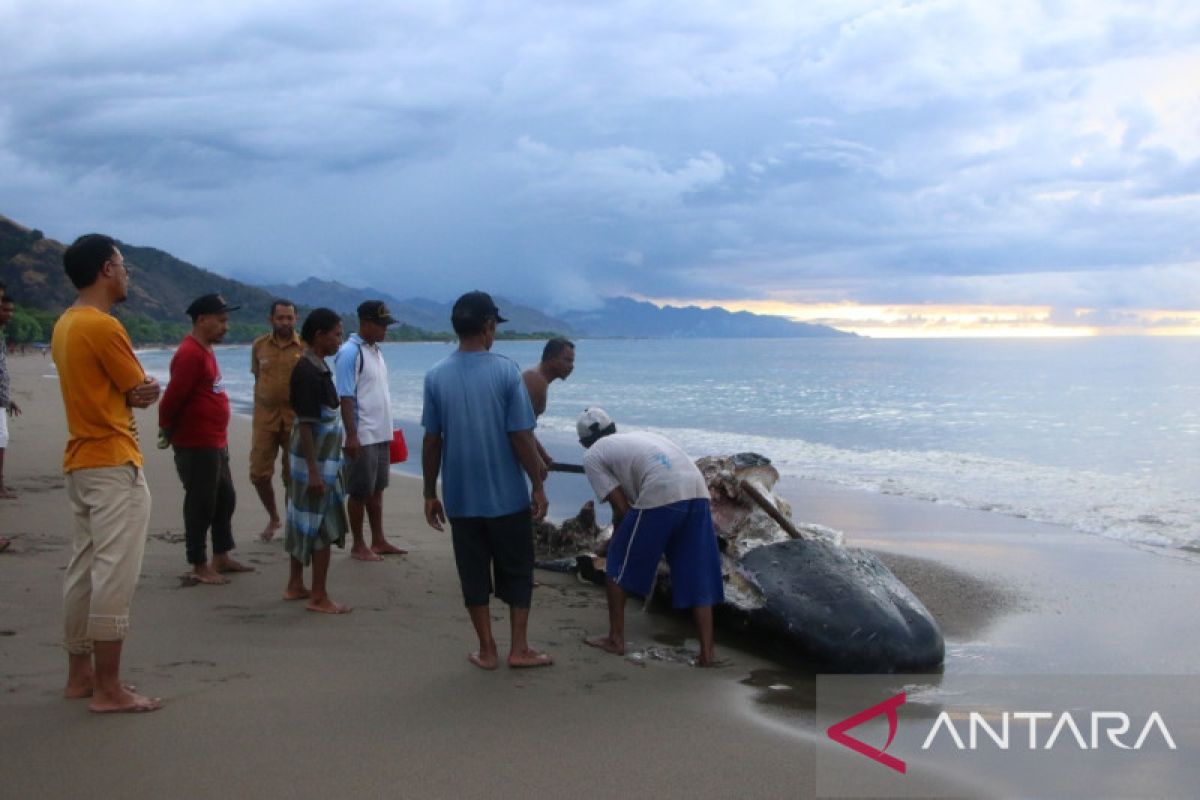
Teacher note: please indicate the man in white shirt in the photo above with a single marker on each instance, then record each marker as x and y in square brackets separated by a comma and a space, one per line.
[361, 378]
[660, 505]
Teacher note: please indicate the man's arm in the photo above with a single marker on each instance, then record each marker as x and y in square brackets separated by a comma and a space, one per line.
[620, 505]
[185, 372]
[352, 446]
[431, 465]
[525, 446]
[308, 449]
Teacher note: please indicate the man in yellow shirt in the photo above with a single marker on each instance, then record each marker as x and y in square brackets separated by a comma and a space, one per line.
[272, 357]
[101, 382]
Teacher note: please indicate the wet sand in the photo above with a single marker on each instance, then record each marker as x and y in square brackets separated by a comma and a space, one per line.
[264, 698]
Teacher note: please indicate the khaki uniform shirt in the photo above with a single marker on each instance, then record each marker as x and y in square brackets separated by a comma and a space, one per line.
[272, 365]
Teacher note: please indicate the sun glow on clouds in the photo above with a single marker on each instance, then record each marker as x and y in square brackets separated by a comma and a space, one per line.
[968, 321]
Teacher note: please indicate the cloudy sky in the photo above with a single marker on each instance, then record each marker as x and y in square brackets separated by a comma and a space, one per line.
[915, 166]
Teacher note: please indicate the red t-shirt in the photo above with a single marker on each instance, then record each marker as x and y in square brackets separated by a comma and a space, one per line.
[195, 408]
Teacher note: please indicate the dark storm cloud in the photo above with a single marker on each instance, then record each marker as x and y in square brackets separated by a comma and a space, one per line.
[878, 152]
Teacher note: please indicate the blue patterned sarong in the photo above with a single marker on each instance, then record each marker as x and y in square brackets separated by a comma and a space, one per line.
[316, 521]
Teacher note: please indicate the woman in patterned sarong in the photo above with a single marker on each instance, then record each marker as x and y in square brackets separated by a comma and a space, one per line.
[316, 511]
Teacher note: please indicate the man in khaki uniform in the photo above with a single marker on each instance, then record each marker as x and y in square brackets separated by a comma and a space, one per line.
[272, 357]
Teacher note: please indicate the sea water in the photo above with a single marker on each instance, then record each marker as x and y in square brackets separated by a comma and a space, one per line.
[1100, 434]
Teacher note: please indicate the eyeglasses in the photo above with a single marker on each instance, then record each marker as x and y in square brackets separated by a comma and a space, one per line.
[121, 264]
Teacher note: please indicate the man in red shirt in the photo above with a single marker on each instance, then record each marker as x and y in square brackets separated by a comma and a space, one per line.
[194, 414]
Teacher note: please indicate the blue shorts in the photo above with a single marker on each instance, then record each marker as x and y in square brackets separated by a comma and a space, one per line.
[684, 532]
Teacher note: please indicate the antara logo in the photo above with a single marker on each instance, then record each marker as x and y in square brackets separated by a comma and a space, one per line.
[837, 732]
[1115, 725]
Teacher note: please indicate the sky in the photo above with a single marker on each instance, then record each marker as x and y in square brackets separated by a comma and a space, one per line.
[893, 168]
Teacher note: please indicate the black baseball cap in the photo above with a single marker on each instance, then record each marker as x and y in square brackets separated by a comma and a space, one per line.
[209, 304]
[476, 307]
[375, 311]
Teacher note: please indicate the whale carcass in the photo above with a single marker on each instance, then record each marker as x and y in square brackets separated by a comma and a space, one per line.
[836, 608]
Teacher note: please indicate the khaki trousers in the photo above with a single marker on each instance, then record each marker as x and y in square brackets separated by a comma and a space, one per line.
[111, 507]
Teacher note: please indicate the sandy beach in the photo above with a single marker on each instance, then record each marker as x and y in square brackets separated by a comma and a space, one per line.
[265, 699]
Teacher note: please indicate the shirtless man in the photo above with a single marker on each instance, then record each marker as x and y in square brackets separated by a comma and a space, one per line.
[558, 361]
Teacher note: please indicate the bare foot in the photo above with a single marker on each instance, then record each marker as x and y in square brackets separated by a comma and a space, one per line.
[124, 702]
[4, 543]
[529, 658]
[607, 644]
[295, 594]
[268, 533]
[80, 692]
[7, 494]
[710, 661]
[224, 563]
[488, 661]
[388, 549]
[364, 553]
[327, 606]
[204, 573]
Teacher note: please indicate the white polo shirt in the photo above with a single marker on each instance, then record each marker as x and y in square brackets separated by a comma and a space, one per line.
[366, 380]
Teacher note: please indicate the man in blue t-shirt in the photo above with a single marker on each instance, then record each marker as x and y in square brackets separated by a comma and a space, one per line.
[479, 435]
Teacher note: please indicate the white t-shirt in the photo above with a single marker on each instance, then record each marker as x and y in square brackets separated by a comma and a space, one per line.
[650, 469]
[368, 386]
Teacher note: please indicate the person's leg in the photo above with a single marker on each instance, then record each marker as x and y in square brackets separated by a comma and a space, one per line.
[510, 539]
[119, 504]
[296, 589]
[695, 560]
[222, 524]
[632, 564]
[614, 642]
[263, 445]
[704, 625]
[472, 558]
[77, 596]
[379, 543]
[5, 492]
[356, 507]
[319, 599]
[199, 469]
[380, 468]
[487, 656]
[111, 696]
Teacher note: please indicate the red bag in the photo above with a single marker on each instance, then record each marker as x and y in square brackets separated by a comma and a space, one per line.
[399, 449]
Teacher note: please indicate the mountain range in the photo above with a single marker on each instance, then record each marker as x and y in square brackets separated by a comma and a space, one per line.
[163, 286]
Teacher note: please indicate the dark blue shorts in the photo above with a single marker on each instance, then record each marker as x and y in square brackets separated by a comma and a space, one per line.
[682, 531]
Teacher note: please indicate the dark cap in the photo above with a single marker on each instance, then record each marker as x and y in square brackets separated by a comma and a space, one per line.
[209, 304]
[375, 311]
[476, 307]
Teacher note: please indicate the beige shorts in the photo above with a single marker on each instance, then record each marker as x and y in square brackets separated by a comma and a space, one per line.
[265, 446]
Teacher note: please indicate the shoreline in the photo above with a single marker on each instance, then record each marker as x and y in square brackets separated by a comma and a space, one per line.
[256, 683]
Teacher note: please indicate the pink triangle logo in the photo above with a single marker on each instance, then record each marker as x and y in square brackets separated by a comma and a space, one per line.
[837, 732]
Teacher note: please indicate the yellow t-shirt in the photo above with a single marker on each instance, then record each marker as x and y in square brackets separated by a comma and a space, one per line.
[96, 368]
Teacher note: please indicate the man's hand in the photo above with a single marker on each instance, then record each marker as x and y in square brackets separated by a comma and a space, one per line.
[145, 394]
[14, 410]
[352, 448]
[539, 505]
[435, 515]
[316, 484]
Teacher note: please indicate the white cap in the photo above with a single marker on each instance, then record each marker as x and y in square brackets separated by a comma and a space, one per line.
[592, 424]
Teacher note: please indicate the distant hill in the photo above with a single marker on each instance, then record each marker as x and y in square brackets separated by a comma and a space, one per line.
[419, 312]
[624, 317]
[162, 286]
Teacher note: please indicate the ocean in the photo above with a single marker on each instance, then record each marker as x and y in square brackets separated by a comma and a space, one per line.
[1101, 435]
